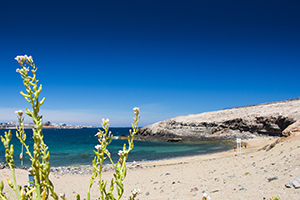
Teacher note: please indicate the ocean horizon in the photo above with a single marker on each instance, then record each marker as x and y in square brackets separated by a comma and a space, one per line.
[74, 147]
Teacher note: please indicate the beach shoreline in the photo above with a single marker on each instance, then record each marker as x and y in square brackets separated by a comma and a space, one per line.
[223, 175]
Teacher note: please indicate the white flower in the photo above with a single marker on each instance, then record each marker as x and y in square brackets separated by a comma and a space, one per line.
[62, 195]
[121, 152]
[98, 134]
[20, 59]
[25, 69]
[136, 110]
[28, 58]
[19, 112]
[105, 122]
[98, 147]
[135, 191]
[22, 71]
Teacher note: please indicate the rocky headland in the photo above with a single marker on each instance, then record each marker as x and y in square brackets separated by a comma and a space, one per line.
[269, 119]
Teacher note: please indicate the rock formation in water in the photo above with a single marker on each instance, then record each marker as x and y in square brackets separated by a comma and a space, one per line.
[245, 122]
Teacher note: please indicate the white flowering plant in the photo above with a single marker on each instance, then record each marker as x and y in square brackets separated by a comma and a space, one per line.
[42, 188]
[101, 153]
[40, 156]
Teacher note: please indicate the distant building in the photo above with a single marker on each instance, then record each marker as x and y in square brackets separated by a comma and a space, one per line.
[48, 123]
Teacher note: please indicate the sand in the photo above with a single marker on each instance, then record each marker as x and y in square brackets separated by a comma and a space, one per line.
[251, 175]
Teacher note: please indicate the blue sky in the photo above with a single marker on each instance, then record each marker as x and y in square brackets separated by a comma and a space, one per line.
[99, 59]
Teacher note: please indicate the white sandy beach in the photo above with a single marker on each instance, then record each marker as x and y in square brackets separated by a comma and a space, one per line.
[252, 175]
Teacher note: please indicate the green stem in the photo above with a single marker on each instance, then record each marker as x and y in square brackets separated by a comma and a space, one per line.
[100, 173]
[15, 183]
[3, 197]
[112, 162]
[38, 191]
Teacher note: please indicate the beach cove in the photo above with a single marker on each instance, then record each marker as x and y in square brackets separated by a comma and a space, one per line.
[255, 174]
[74, 147]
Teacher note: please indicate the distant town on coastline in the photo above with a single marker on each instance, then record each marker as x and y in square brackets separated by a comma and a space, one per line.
[13, 125]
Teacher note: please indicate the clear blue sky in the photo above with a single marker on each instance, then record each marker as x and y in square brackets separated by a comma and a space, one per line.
[99, 59]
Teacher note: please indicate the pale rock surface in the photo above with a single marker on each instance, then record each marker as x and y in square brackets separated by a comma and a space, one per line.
[294, 183]
[246, 122]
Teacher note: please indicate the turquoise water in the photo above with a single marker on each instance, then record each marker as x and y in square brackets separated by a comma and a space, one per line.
[75, 147]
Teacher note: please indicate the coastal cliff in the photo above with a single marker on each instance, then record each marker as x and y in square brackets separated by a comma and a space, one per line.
[265, 119]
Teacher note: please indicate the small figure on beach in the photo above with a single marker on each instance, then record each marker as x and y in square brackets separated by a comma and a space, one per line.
[234, 147]
[134, 164]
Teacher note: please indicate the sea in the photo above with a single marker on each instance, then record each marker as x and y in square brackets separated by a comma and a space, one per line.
[74, 147]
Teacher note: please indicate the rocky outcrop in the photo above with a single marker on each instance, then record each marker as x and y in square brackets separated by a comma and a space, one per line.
[264, 119]
[295, 127]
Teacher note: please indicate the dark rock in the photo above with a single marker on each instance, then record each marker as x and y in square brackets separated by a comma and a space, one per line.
[123, 137]
[272, 178]
[174, 140]
[4, 165]
[241, 187]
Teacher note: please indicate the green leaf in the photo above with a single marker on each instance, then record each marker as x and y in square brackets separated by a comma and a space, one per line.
[42, 101]
[1, 186]
[28, 112]
[24, 95]
[119, 188]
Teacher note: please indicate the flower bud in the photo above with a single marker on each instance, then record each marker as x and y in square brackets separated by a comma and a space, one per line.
[44, 195]
[10, 184]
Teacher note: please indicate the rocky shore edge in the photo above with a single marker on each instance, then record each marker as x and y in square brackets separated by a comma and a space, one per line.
[80, 170]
